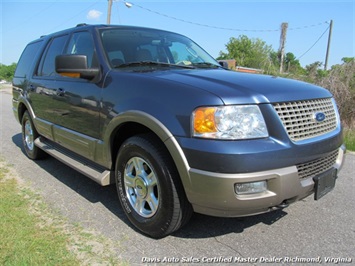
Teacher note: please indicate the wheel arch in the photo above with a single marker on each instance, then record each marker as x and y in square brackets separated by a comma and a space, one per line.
[22, 107]
[132, 123]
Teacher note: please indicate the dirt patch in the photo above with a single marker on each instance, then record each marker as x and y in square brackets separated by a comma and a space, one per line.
[6, 88]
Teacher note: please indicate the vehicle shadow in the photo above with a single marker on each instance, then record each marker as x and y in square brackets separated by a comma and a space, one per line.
[200, 226]
[79, 183]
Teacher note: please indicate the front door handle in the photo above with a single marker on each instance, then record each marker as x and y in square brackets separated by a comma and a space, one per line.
[32, 88]
[60, 92]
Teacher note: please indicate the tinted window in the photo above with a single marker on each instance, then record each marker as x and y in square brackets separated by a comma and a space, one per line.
[137, 45]
[82, 43]
[27, 58]
[47, 67]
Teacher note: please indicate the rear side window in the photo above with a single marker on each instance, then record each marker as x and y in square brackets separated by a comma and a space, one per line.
[47, 65]
[27, 59]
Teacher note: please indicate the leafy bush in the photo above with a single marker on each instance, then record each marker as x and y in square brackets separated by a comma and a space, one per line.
[349, 138]
[340, 80]
[7, 72]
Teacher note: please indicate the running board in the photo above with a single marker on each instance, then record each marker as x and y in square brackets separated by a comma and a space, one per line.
[80, 164]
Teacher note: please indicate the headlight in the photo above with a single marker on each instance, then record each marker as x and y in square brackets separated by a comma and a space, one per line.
[229, 122]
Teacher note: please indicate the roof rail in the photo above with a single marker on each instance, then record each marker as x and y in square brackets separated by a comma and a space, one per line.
[81, 24]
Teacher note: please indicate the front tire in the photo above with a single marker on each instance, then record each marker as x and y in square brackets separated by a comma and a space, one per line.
[29, 135]
[149, 187]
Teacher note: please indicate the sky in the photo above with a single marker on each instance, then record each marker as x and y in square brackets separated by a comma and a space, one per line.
[209, 23]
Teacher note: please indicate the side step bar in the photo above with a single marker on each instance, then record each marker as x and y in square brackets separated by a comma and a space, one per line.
[94, 172]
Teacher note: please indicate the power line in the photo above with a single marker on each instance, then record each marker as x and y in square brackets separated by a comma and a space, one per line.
[30, 17]
[73, 17]
[217, 27]
[309, 26]
[313, 44]
[232, 29]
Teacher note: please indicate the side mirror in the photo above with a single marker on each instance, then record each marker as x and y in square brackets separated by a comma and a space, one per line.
[75, 66]
[223, 64]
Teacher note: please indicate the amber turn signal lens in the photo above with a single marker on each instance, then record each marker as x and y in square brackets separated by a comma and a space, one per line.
[70, 75]
[204, 120]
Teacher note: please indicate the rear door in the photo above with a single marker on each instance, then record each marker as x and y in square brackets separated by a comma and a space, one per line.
[43, 89]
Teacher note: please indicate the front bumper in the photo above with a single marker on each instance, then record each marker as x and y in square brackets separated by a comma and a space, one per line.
[213, 193]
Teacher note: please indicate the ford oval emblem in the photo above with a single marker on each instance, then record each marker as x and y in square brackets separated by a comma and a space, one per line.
[319, 117]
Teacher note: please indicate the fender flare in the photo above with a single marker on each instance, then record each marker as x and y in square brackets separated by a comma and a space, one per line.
[160, 130]
[22, 100]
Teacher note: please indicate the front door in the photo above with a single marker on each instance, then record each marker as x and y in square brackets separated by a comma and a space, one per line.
[78, 102]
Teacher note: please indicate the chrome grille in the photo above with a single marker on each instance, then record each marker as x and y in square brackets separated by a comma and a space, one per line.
[299, 120]
[316, 167]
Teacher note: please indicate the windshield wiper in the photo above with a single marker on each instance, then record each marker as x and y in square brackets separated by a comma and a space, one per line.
[150, 63]
[206, 65]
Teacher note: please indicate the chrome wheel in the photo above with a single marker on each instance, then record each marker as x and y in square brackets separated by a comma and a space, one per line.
[28, 135]
[149, 188]
[142, 187]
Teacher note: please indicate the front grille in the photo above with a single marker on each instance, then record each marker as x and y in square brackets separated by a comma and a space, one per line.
[299, 120]
[316, 167]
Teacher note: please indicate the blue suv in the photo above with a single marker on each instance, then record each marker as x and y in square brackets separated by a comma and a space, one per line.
[154, 113]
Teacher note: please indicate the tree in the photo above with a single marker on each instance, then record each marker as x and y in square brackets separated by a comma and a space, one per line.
[293, 65]
[348, 59]
[314, 72]
[7, 72]
[247, 52]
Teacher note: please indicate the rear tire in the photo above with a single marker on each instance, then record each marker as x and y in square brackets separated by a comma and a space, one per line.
[29, 135]
[149, 187]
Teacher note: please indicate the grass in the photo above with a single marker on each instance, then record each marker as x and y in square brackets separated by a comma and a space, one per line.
[31, 234]
[23, 241]
[349, 136]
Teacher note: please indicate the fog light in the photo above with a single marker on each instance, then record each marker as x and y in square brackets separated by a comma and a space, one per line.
[250, 188]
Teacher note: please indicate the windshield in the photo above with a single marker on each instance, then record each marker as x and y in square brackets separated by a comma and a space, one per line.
[126, 47]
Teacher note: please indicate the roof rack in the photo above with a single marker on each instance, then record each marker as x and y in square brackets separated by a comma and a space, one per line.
[81, 24]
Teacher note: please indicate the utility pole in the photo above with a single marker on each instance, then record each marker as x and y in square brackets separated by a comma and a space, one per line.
[109, 11]
[328, 46]
[284, 27]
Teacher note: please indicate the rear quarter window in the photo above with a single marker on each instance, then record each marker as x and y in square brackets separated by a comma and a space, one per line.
[27, 59]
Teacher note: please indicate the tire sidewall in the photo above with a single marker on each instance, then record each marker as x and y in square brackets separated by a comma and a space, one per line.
[35, 153]
[161, 219]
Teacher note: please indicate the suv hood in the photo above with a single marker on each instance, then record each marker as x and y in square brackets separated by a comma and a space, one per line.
[241, 88]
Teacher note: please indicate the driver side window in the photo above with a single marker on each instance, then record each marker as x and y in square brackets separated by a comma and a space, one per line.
[82, 43]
